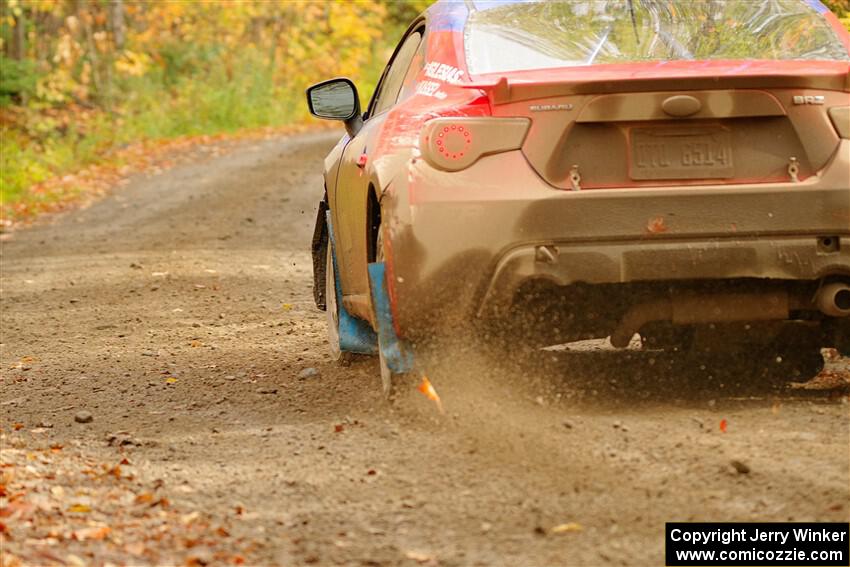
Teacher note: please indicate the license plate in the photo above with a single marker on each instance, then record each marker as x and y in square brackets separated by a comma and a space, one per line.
[679, 153]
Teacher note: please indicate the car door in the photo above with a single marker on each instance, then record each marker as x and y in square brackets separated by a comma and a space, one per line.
[349, 204]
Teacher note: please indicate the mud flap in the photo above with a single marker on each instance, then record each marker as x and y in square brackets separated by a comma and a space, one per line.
[355, 335]
[396, 352]
[318, 250]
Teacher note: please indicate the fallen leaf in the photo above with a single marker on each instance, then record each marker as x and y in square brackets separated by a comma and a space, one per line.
[80, 508]
[418, 556]
[426, 388]
[171, 380]
[144, 498]
[723, 425]
[94, 533]
[566, 528]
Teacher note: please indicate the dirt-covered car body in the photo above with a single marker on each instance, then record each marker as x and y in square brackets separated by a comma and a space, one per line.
[625, 164]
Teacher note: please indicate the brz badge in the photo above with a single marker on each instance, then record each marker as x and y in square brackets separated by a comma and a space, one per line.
[548, 107]
[808, 99]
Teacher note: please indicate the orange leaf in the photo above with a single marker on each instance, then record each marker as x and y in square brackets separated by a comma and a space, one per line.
[723, 425]
[426, 388]
[144, 498]
[97, 533]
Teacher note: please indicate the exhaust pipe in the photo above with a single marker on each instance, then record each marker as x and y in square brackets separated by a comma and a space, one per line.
[833, 299]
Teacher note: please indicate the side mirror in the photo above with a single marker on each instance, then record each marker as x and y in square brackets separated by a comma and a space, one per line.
[336, 99]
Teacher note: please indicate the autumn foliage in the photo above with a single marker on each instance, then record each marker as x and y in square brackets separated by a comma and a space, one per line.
[81, 78]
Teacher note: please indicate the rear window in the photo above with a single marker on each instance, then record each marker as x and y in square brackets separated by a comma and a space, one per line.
[508, 36]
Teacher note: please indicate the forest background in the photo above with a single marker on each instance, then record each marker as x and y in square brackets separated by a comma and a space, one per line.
[81, 81]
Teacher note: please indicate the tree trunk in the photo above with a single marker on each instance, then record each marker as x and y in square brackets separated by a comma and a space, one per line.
[19, 38]
[116, 23]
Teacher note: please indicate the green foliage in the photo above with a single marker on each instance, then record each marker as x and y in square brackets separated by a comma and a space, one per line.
[402, 12]
[840, 8]
[18, 80]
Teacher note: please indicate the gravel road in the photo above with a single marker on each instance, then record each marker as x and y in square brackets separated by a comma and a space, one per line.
[153, 349]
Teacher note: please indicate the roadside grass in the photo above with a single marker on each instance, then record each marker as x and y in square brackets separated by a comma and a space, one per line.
[39, 147]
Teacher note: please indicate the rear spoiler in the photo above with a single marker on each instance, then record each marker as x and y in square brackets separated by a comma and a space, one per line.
[685, 75]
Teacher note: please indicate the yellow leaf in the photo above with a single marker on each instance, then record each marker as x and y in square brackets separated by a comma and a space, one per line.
[80, 508]
[568, 527]
[170, 380]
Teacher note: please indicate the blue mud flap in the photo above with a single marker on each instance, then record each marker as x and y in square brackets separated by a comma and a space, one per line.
[397, 353]
[355, 335]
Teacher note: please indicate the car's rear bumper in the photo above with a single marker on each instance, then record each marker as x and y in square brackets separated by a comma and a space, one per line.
[462, 243]
[777, 257]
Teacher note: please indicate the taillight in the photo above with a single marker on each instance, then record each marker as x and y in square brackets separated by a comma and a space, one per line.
[840, 116]
[455, 143]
